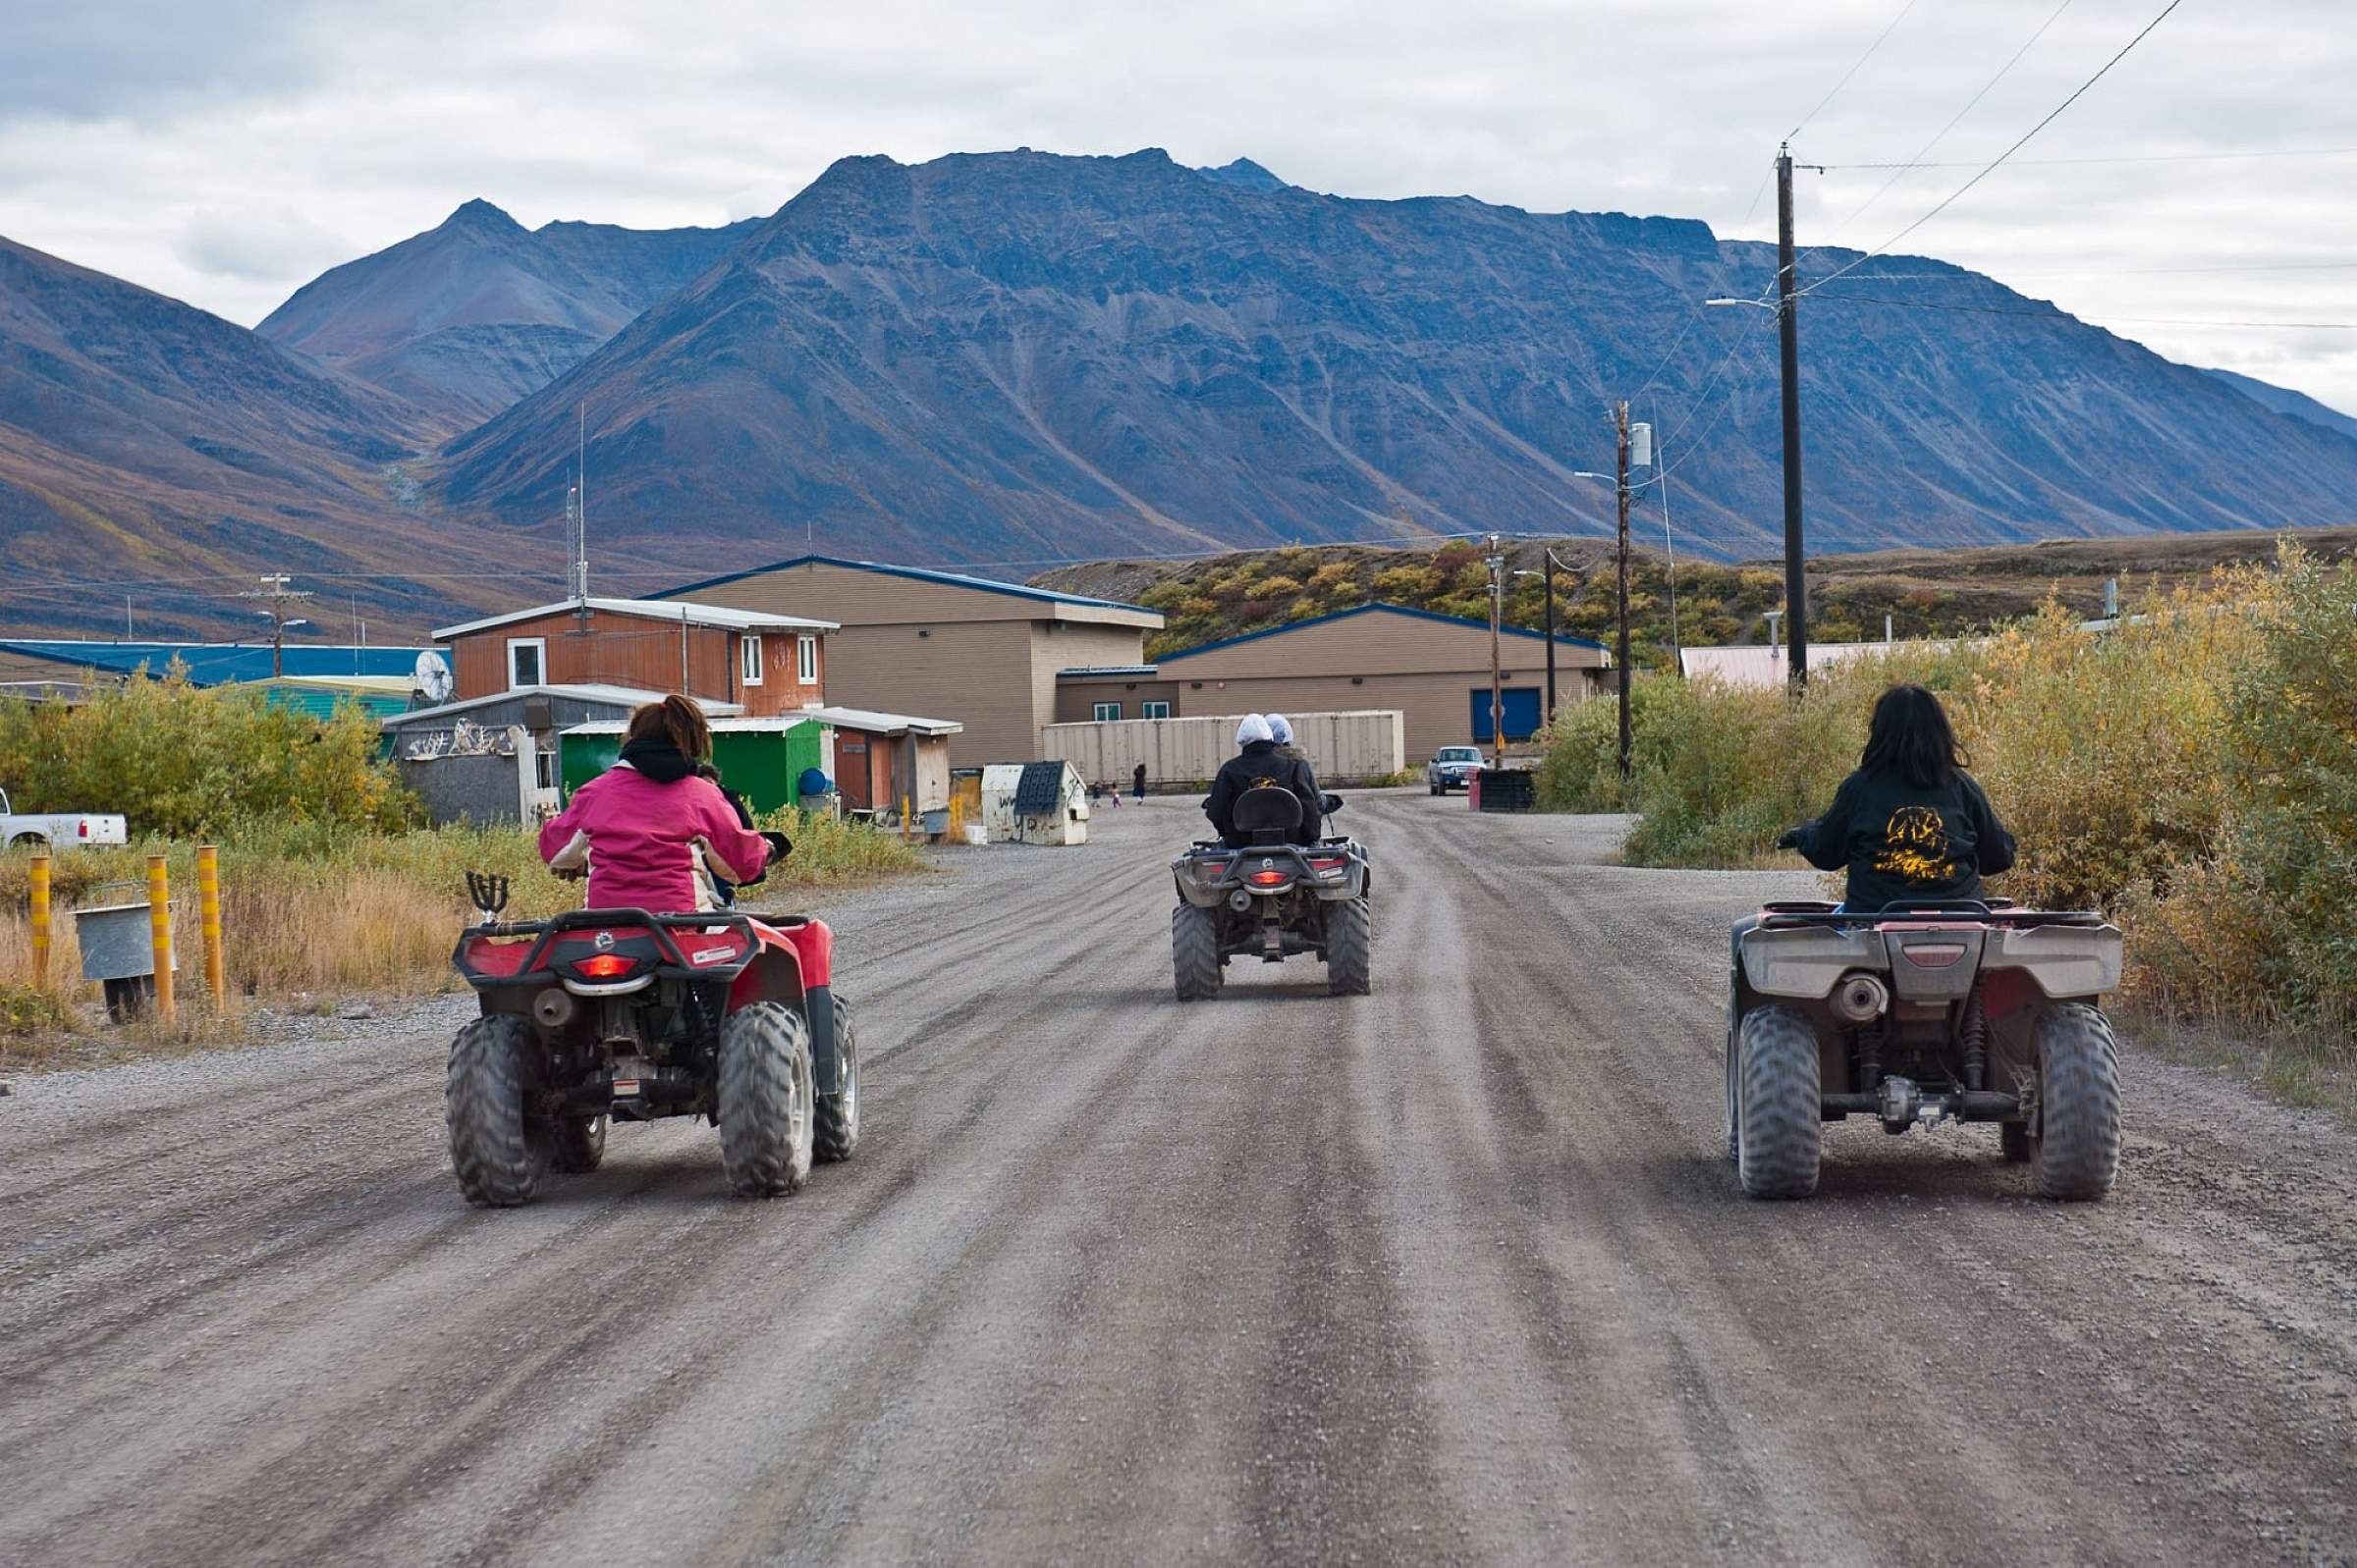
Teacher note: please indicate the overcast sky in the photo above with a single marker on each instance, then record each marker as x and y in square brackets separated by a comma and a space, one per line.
[225, 151]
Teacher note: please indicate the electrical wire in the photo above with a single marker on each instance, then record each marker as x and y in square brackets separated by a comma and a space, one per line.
[2059, 315]
[1853, 70]
[1993, 164]
[2155, 157]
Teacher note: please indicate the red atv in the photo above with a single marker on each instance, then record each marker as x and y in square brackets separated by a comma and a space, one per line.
[617, 1014]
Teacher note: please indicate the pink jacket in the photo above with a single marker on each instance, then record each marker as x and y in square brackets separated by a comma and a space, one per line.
[643, 840]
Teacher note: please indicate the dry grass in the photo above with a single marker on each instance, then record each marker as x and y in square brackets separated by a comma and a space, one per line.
[324, 913]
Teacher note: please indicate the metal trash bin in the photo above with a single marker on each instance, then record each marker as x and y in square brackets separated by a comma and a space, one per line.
[118, 951]
[1505, 789]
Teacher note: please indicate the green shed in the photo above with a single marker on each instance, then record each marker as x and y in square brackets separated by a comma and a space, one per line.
[759, 758]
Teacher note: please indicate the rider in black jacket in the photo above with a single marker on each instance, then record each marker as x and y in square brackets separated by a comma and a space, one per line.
[1910, 822]
[1259, 764]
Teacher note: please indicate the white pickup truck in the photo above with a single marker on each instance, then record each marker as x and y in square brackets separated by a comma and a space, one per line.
[57, 829]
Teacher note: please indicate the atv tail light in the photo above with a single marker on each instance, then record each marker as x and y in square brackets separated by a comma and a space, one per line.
[1266, 878]
[605, 966]
[1933, 955]
[1327, 865]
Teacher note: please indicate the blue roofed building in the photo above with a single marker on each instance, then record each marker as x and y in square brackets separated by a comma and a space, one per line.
[29, 663]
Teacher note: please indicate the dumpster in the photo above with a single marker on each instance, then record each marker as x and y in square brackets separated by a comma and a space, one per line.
[118, 951]
[763, 760]
[1504, 790]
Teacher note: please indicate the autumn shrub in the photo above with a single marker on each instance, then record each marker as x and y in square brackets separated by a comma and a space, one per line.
[174, 757]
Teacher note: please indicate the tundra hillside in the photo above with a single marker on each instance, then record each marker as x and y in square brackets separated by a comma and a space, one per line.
[1922, 593]
[2194, 771]
[331, 882]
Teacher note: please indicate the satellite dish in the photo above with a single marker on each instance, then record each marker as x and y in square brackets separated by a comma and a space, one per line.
[432, 678]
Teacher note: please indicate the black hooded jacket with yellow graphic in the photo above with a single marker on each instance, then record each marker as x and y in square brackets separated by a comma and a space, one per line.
[1257, 765]
[1898, 840]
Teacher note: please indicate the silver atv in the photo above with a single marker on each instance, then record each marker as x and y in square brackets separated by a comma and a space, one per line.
[1945, 1010]
[1271, 900]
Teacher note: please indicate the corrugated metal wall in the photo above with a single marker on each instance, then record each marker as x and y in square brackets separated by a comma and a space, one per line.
[1343, 747]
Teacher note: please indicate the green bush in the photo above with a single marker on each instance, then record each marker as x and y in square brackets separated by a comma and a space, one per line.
[177, 759]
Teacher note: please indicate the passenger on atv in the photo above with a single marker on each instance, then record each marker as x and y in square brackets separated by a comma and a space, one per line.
[1259, 764]
[1910, 823]
[652, 832]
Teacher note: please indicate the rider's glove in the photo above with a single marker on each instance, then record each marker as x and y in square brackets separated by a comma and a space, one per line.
[1790, 838]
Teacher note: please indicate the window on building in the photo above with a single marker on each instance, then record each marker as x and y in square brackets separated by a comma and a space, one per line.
[1154, 710]
[544, 769]
[1108, 710]
[527, 662]
[749, 658]
[805, 660]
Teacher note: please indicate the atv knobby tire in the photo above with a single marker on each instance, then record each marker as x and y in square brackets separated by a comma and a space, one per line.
[1778, 1143]
[838, 1131]
[577, 1145]
[1196, 953]
[2074, 1153]
[1349, 947]
[766, 1113]
[499, 1159]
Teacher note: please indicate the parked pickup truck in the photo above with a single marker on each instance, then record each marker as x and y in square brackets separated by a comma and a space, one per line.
[57, 829]
[1452, 768]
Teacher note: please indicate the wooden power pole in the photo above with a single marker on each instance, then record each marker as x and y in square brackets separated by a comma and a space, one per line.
[1621, 650]
[1497, 564]
[1796, 585]
[275, 596]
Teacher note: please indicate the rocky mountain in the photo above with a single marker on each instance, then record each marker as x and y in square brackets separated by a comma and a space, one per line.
[466, 318]
[2285, 400]
[144, 441]
[1005, 358]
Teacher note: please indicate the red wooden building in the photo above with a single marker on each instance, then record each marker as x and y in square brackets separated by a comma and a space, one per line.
[768, 664]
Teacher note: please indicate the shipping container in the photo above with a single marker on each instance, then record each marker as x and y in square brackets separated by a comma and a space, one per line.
[1352, 747]
[761, 759]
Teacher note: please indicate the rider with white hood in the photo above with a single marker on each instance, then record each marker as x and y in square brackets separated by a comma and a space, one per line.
[1258, 764]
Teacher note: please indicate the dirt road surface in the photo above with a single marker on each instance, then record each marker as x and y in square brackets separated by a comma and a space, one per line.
[1451, 1273]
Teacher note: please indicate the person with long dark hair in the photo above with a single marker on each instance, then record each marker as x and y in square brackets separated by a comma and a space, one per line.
[1910, 823]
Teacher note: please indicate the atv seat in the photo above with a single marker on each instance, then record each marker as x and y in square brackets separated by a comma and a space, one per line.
[1267, 815]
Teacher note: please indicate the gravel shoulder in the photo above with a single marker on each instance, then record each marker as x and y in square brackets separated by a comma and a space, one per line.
[1452, 1272]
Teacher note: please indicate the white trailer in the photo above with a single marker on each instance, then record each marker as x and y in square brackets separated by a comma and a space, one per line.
[1351, 748]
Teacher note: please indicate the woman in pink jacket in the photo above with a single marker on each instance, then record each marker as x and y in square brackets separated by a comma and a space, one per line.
[647, 825]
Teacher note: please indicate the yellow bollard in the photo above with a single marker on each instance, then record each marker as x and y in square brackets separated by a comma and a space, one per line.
[41, 922]
[159, 930]
[905, 828]
[208, 905]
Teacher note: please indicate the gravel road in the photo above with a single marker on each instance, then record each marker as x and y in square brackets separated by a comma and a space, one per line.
[1452, 1273]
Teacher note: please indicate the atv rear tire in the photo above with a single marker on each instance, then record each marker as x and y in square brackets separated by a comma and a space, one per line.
[2075, 1153]
[838, 1131]
[1778, 1142]
[766, 1121]
[1349, 947]
[578, 1146]
[499, 1159]
[1196, 953]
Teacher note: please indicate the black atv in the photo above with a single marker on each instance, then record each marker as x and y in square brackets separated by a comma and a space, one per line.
[1273, 898]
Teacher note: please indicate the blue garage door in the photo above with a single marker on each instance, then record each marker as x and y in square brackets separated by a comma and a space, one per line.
[1522, 713]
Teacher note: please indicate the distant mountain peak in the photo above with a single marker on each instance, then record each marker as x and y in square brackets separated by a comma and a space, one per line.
[483, 215]
[1243, 174]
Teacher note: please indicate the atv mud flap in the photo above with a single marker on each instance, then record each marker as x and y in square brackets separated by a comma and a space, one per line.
[826, 1064]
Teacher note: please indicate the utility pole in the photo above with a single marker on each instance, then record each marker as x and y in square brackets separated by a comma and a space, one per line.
[275, 596]
[1497, 563]
[1620, 652]
[1548, 566]
[1796, 586]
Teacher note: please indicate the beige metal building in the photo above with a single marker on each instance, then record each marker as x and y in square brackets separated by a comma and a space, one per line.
[983, 653]
[1435, 669]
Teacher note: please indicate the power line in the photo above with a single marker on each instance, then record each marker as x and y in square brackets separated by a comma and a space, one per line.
[2155, 157]
[1971, 105]
[1854, 68]
[2051, 115]
[1958, 275]
[2059, 315]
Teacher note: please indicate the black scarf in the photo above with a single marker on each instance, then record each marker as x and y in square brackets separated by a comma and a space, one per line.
[659, 760]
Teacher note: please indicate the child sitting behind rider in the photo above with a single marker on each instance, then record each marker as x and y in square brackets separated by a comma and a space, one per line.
[1258, 764]
[652, 832]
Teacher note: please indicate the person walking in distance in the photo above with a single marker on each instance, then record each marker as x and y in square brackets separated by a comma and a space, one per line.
[1137, 782]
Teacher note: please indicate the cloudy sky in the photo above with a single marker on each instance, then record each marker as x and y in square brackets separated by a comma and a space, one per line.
[225, 151]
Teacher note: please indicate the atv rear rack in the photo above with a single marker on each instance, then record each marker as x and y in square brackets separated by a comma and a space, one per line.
[534, 968]
[1787, 915]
